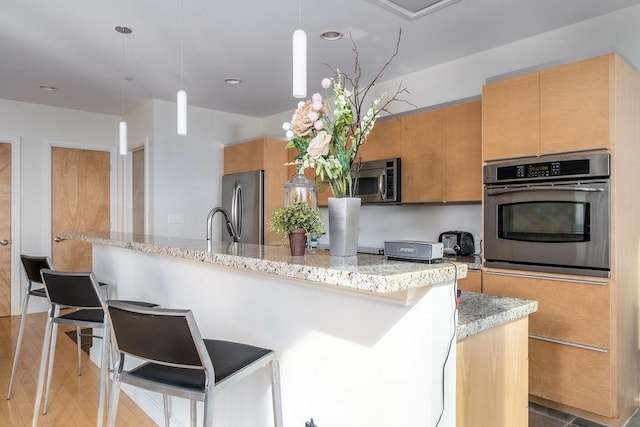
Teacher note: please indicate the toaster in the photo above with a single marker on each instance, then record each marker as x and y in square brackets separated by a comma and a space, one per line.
[459, 243]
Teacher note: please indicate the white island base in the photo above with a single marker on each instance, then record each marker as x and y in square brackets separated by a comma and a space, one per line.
[346, 359]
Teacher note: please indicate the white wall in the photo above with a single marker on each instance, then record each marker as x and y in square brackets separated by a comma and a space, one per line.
[464, 78]
[37, 126]
[187, 170]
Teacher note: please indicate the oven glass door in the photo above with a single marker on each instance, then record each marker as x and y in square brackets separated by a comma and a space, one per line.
[556, 228]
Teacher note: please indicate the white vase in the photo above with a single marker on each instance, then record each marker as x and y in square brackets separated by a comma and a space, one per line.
[344, 220]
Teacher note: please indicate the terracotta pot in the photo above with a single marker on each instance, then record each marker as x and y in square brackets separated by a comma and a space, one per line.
[297, 241]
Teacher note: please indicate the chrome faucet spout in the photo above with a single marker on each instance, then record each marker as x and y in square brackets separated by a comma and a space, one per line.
[230, 228]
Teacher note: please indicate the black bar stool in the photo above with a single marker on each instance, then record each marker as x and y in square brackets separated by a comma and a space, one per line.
[82, 292]
[178, 361]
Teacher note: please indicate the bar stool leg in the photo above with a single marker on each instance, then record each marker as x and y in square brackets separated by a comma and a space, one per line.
[16, 354]
[52, 356]
[275, 393]
[194, 414]
[104, 373]
[41, 371]
[113, 399]
[165, 404]
[79, 341]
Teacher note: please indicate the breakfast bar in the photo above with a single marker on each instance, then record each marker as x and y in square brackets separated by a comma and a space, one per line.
[361, 340]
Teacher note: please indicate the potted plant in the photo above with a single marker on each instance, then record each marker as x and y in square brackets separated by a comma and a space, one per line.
[296, 221]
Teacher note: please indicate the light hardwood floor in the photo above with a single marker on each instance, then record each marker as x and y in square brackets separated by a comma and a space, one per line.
[74, 399]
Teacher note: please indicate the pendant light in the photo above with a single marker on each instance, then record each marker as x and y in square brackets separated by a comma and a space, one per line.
[123, 145]
[299, 58]
[181, 98]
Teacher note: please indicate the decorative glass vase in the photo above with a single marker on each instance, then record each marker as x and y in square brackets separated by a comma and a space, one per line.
[344, 221]
[300, 188]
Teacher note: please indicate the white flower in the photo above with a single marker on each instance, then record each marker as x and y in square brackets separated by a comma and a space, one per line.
[319, 146]
[326, 83]
[289, 135]
[286, 126]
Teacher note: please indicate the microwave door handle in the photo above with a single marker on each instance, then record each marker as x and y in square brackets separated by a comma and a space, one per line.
[543, 188]
[382, 185]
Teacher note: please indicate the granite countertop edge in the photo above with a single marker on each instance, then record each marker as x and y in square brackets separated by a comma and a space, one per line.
[370, 273]
[479, 312]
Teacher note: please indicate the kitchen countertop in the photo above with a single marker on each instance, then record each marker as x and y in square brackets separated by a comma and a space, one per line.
[479, 312]
[369, 273]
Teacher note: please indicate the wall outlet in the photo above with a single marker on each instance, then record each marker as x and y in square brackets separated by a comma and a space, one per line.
[175, 218]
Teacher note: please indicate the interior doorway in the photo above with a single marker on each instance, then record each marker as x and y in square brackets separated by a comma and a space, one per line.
[5, 228]
[80, 202]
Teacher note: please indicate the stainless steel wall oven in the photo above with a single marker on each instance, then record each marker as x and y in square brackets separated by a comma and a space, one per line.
[549, 214]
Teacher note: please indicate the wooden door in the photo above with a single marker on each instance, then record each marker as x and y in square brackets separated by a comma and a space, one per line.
[511, 118]
[576, 106]
[423, 157]
[138, 192]
[80, 201]
[5, 229]
[464, 152]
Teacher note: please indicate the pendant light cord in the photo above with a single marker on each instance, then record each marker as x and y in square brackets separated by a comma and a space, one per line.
[123, 76]
[300, 14]
[181, 44]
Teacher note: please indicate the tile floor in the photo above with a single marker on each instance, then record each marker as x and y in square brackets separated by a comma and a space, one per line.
[541, 416]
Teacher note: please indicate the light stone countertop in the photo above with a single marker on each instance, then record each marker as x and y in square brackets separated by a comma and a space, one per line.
[479, 312]
[368, 273]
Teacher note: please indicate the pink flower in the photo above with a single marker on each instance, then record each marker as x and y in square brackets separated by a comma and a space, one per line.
[313, 116]
[316, 97]
[317, 105]
[326, 83]
[318, 125]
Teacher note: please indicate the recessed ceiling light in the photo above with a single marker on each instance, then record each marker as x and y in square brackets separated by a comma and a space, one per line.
[48, 87]
[331, 35]
[233, 80]
[123, 30]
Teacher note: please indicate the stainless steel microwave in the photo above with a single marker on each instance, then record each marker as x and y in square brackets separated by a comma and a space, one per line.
[377, 181]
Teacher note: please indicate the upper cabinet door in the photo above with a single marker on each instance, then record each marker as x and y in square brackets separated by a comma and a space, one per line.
[424, 157]
[464, 152]
[385, 140]
[575, 106]
[511, 118]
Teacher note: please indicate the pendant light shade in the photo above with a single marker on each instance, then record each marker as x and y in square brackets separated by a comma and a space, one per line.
[299, 64]
[123, 138]
[182, 112]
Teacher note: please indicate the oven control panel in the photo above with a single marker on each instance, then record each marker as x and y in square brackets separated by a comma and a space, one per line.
[557, 167]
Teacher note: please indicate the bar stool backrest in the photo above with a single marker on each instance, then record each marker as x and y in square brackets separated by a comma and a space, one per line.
[164, 336]
[32, 266]
[70, 289]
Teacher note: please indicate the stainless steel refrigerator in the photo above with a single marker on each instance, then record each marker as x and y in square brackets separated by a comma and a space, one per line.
[243, 198]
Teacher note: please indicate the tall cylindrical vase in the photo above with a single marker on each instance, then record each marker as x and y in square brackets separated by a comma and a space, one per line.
[344, 220]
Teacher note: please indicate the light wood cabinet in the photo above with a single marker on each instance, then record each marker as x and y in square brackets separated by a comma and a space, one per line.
[441, 155]
[270, 155]
[570, 341]
[385, 140]
[492, 377]
[561, 109]
[473, 281]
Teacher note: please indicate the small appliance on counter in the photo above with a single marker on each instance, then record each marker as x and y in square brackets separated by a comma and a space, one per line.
[408, 250]
[458, 243]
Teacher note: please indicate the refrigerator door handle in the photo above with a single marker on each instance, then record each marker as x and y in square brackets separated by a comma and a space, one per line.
[237, 208]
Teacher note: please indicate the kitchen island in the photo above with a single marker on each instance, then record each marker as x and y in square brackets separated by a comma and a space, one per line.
[361, 340]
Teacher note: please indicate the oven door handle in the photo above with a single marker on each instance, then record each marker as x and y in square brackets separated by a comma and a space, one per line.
[543, 188]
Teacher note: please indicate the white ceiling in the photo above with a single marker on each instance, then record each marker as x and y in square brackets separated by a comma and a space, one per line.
[72, 45]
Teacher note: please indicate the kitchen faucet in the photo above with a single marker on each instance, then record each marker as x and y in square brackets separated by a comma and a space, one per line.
[230, 228]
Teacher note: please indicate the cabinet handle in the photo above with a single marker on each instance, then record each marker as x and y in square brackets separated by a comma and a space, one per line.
[4, 242]
[538, 276]
[569, 343]
[58, 239]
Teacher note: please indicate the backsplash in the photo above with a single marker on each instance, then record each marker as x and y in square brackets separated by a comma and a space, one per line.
[413, 222]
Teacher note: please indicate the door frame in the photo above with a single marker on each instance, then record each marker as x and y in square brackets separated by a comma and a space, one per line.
[127, 217]
[47, 238]
[16, 279]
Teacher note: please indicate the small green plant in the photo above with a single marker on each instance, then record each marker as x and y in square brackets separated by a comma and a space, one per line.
[297, 215]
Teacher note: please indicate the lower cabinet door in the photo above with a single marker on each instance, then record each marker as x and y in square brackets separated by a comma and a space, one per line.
[571, 375]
